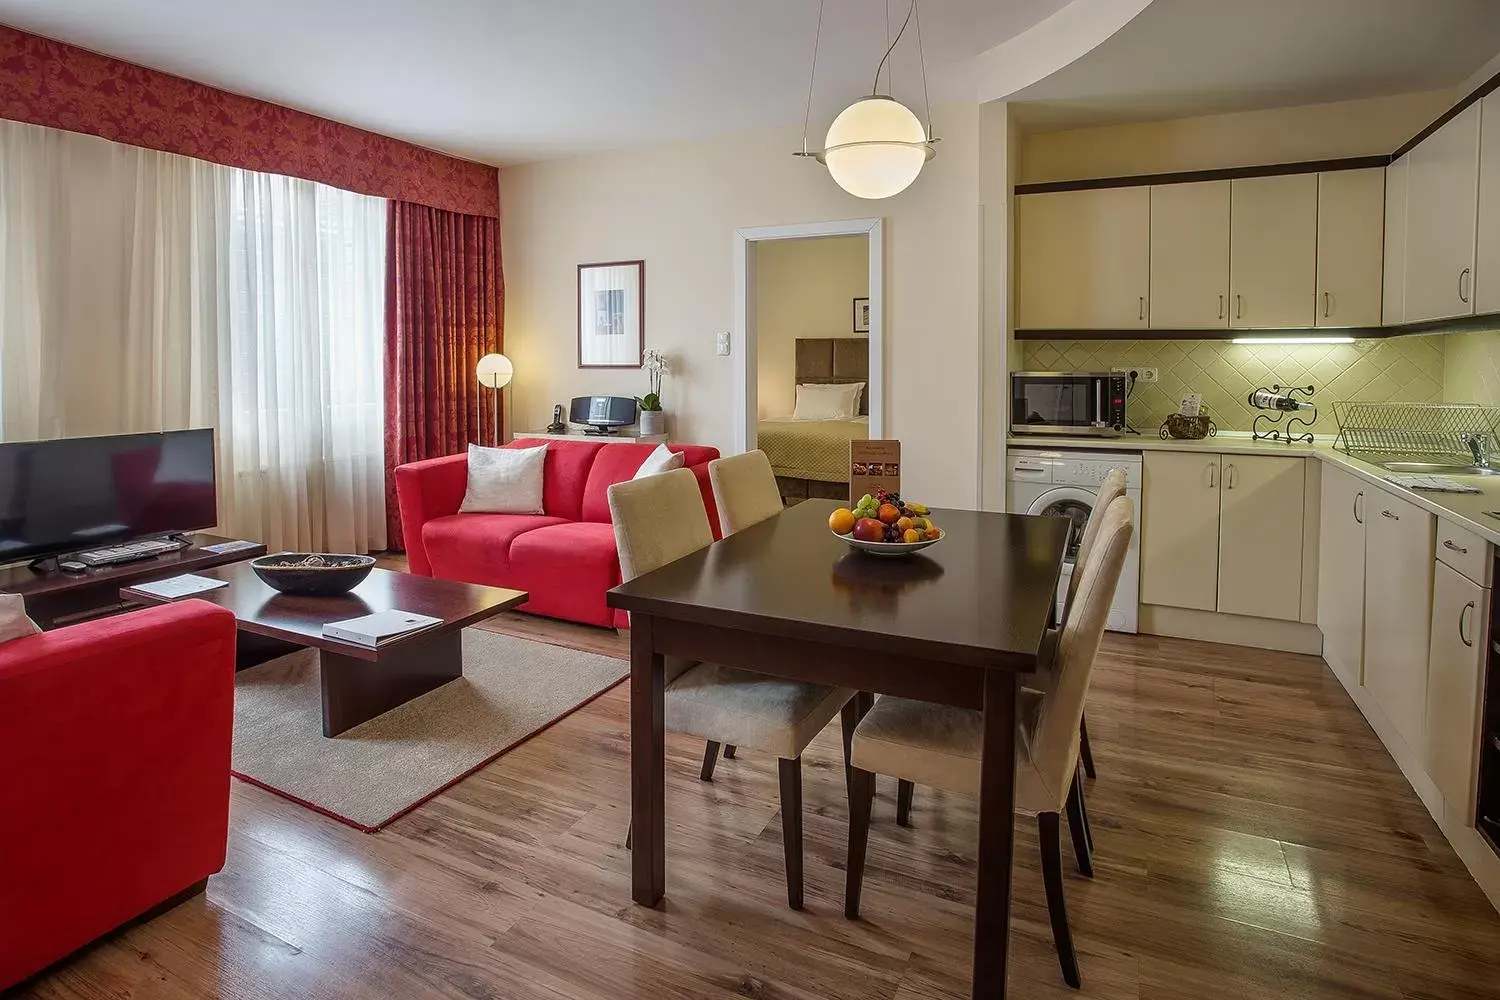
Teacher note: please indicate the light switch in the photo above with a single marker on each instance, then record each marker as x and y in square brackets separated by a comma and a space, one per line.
[723, 344]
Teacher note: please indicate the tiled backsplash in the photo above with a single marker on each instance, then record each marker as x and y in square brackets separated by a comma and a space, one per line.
[1404, 369]
[1471, 368]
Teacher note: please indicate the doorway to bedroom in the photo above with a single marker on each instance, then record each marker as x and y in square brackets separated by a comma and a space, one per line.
[811, 371]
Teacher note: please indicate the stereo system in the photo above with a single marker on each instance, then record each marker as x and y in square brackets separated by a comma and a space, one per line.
[602, 414]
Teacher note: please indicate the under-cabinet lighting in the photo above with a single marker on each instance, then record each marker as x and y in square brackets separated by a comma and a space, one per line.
[1293, 340]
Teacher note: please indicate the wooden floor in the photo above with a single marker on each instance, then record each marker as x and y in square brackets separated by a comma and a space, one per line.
[1253, 841]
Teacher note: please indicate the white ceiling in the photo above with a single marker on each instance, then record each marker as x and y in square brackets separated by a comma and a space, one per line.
[510, 80]
[1189, 57]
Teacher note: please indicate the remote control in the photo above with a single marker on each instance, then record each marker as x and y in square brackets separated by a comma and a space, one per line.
[72, 566]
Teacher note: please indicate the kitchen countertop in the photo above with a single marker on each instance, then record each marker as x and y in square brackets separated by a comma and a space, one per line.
[1464, 509]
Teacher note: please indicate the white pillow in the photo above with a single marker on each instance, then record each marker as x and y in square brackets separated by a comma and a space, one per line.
[504, 480]
[13, 621]
[661, 460]
[828, 402]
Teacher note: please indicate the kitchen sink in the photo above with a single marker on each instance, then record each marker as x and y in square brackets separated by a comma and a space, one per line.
[1439, 469]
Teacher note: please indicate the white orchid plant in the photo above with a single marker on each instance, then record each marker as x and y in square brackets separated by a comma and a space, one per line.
[656, 365]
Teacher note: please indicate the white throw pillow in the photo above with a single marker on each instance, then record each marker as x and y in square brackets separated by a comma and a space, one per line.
[504, 480]
[660, 460]
[13, 621]
[828, 402]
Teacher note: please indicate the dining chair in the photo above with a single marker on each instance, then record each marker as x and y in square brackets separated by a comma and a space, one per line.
[658, 520]
[1110, 490]
[745, 490]
[941, 746]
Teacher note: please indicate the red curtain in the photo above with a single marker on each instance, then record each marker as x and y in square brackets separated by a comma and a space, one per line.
[444, 310]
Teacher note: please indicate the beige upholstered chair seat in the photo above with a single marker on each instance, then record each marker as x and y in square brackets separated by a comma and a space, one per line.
[940, 746]
[746, 709]
[745, 490]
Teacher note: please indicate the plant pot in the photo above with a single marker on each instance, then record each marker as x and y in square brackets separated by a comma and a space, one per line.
[653, 422]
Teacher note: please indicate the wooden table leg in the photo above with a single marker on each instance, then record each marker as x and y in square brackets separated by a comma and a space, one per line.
[355, 691]
[648, 756]
[997, 804]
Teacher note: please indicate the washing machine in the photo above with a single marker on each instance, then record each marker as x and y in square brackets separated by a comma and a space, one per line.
[1065, 483]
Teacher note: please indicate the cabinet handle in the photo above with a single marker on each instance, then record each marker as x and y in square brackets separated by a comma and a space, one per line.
[1462, 295]
[1393, 517]
[1231, 476]
[1213, 476]
[1358, 519]
[1143, 307]
[1448, 544]
[1462, 636]
[1221, 305]
[1327, 304]
[1239, 306]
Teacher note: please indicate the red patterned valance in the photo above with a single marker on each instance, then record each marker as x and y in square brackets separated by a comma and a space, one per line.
[61, 86]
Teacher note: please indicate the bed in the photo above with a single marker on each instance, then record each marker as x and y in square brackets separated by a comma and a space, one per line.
[811, 457]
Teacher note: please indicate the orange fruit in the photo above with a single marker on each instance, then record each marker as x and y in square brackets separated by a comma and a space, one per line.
[841, 521]
[905, 523]
[911, 535]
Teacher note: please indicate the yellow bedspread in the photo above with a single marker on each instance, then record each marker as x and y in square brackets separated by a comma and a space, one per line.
[811, 449]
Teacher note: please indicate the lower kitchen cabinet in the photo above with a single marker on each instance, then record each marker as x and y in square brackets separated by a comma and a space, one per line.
[1341, 573]
[1180, 529]
[1455, 670]
[1398, 606]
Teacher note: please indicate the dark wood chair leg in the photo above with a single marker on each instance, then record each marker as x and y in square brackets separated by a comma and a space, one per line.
[791, 828]
[1084, 750]
[729, 751]
[1050, 834]
[1083, 849]
[904, 792]
[862, 784]
[1083, 812]
[629, 836]
[849, 717]
[710, 758]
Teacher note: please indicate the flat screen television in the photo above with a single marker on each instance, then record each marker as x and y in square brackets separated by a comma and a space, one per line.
[81, 493]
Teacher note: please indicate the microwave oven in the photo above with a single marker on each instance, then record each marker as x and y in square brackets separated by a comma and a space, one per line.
[1091, 403]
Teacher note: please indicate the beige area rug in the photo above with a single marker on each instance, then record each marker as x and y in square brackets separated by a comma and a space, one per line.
[511, 690]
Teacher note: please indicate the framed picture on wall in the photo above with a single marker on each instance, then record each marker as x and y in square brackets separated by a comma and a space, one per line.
[861, 315]
[611, 314]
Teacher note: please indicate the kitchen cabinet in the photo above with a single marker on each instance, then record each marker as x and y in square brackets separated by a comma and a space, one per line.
[1393, 291]
[1223, 533]
[1441, 217]
[1398, 605]
[1082, 259]
[1487, 249]
[1351, 249]
[1190, 256]
[1260, 536]
[1455, 667]
[1180, 529]
[1273, 251]
[1341, 573]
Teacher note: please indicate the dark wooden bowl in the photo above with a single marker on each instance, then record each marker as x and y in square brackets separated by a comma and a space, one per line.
[312, 574]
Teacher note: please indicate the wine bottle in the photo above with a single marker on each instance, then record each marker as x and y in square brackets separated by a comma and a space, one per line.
[1265, 399]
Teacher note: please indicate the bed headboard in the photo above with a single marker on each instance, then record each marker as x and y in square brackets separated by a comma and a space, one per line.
[835, 360]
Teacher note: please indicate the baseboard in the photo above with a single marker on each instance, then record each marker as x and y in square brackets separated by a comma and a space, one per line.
[1233, 630]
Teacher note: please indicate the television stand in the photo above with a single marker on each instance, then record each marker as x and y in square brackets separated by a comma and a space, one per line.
[55, 599]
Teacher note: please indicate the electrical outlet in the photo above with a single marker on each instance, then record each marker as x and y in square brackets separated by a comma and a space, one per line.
[1149, 375]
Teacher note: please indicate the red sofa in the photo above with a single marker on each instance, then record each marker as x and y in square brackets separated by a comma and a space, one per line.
[565, 558]
[114, 774]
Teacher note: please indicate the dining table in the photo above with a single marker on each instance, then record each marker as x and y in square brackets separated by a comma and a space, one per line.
[959, 623]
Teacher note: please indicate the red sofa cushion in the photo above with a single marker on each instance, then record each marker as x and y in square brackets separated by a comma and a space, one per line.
[477, 547]
[565, 473]
[567, 568]
[619, 462]
[114, 774]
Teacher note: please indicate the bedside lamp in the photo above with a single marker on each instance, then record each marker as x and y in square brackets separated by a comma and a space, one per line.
[494, 372]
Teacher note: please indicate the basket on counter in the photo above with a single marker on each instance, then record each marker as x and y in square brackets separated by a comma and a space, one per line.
[1188, 428]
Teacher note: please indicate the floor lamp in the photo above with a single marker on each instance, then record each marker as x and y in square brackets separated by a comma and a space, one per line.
[494, 372]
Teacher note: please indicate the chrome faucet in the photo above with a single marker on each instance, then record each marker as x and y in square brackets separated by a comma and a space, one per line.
[1479, 447]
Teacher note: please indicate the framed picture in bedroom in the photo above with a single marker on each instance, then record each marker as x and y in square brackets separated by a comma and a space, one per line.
[862, 315]
[612, 314]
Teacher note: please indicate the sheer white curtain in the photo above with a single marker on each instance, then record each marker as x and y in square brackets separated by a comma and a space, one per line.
[147, 291]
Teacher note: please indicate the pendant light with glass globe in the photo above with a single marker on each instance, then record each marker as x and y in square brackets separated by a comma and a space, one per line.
[876, 146]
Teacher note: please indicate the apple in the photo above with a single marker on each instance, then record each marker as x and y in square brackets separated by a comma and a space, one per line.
[889, 513]
[868, 529]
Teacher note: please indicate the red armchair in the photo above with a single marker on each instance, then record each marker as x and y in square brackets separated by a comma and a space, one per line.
[114, 775]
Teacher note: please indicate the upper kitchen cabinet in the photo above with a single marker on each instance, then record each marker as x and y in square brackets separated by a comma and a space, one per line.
[1441, 213]
[1083, 259]
[1487, 252]
[1190, 256]
[1273, 251]
[1351, 228]
[1393, 299]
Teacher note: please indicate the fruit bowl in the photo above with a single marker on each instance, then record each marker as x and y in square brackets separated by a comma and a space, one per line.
[889, 548]
[312, 574]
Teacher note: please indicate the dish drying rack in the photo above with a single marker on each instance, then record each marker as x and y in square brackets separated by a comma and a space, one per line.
[1413, 429]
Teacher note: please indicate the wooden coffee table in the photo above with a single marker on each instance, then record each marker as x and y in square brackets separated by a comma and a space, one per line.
[358, 683]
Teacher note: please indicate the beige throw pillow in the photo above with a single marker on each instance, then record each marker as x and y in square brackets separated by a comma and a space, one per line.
[13, 621]
[504, 480]
[663, 459]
